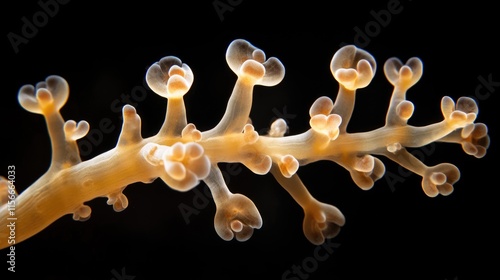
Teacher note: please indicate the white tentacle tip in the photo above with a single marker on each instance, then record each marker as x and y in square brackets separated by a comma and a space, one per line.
[326, 125]
[184, 165]
[74, 131]
[353, 67]
[50, 94]
[278, 128]
[394, 147]
[246, 60]
[169, 77]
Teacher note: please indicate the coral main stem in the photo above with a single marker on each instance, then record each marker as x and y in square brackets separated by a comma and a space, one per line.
[182, 156]
[57, 194]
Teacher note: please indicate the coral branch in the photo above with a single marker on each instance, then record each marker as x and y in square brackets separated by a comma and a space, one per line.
[170, 78]
[236, 215]
[250, 65]
[320, 220]
[353, 68]
[182, 156]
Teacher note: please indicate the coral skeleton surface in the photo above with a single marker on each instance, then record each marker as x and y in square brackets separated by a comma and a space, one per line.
[182, 156]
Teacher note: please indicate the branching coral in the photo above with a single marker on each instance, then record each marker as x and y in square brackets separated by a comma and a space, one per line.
[182, 156]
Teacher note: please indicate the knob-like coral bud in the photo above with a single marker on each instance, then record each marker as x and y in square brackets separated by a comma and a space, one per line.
[47, 96]
[278, 128]
[439, 179]
[131, 128]
[405, 109]
[288, 165]
[321, 221]
[467, 105]
[353, 67]
[258, 164]
[118, 200]
[366, 170]
[74, 131]
[82, 213]
[249, 134]
[323, 105]
[461, 114]
[326, 125]
[247, 60]
[237, 216]
[182, 166]
[475, 139]
[189, 132]
[403, 76]
[169, 77]
[394, 147]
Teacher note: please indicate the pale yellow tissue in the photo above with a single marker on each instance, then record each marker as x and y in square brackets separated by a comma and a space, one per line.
[183, 156]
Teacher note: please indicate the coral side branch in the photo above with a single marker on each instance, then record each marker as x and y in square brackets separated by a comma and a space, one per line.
[182, 156]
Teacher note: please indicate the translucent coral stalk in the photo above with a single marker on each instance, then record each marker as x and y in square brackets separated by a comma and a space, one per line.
[182, 156]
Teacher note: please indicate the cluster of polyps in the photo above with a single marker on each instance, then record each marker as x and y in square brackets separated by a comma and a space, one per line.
[181, 155]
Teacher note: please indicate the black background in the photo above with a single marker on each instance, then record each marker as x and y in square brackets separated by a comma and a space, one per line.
[393, 231]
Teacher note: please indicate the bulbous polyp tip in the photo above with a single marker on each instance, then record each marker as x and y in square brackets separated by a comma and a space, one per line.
[278, 128]
[51, 93]
[288, 165]
[439, 179]
[74, 131]
[184, 164]
[237, 216]
[405, 109]
[353, 67]
[326, 125]
[322, 221]
[252, 69]
[240, 52]
[403, 75]
[475, 139]
[467, 105]
[323, 105]
[169, 77]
